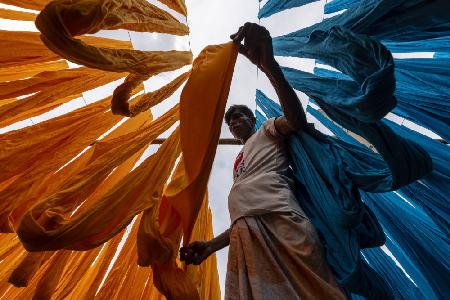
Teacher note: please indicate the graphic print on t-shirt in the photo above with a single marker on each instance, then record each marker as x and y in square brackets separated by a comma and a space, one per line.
[239, 166]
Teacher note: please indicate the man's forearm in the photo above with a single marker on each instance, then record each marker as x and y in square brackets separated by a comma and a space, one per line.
[221, 241]
[290, 104]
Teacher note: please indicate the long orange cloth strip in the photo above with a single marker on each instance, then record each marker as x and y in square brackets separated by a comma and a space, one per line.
[202, 107]
[29, 49]
[16, 15]
[60, 20]
[177, 5]
[46, 227]
[46, 89]
[35, 4]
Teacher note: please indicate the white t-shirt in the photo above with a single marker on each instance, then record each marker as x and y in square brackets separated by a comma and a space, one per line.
[262, 179]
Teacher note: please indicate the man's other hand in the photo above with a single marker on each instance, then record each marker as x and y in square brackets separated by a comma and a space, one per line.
[196, 252]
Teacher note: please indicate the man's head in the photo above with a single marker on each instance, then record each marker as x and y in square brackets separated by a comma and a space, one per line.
[240, 121]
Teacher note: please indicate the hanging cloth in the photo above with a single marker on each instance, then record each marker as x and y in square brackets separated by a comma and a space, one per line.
[46, 227]
[177, 5]
[202, 107]
[275, 6]
[60, 21]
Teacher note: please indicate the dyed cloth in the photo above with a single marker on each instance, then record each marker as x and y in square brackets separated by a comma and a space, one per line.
[277, 256]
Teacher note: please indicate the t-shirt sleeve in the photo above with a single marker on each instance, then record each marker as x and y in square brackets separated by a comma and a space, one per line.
[270, 129]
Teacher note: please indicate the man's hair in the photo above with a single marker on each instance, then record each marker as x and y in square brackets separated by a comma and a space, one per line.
[238, 107]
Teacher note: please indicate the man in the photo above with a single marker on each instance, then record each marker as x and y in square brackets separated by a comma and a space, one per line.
[274, 250]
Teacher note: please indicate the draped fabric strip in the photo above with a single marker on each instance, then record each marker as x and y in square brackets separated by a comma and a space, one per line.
[60, 21]
[177, 5]
[74, 195]
[274, 6]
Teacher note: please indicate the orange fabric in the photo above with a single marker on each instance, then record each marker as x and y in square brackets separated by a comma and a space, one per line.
[42, 155]
[176, 5]
[45, 226]
[16, 15]
[30, 70]
[35, 4]
[61, 20]
[124, 260]
[200, 123]
[141, 103]
[28, 267]
[29, 49]
[48, 88]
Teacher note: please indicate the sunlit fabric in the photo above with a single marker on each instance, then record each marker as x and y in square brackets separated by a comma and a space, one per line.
[142, 102]
[47, 90]
[16, 15]
[21, 72]
[29, 48]
[44, 152]
[45, 227]
[214, 66]
[35, 4]
[80, 178]
[275, 6]
[177, 5]
[59, 22]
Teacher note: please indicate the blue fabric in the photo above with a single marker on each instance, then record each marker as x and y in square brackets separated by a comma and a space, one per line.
[274, 6]
[432, 193]
[431, 45]
[330, 172]
[337, 5]
[387, 20]
[440, 157]
[403, 287]
[418, 236]
[369, 95]
[422, 84]
[442, 54]
[410, 268]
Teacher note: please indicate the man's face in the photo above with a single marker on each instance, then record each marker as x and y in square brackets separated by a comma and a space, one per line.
[240, 125]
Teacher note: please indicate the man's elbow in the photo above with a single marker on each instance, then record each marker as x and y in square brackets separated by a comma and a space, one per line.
[297, 124]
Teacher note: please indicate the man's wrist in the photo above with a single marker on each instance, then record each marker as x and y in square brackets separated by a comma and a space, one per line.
[270, 67]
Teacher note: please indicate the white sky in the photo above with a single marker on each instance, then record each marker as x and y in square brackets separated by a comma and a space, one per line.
[210, 22]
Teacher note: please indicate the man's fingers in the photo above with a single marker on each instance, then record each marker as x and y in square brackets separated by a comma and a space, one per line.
[238, 37]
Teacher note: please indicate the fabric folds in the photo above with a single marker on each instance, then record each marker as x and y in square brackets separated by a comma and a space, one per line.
[331, 170]
[177, 5]
[202, 107]
[275, 6]
[60, 21]
[46, 220]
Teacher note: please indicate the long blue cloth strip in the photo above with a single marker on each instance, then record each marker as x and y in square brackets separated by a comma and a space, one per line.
[418, 236]
[387, 20]
[317, 162]
[337, 5]
[422, 84]
[275, 6]
[441, 44]
[432, 192]
[432, 260]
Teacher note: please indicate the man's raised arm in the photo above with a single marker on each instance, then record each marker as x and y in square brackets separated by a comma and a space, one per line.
[257, 47]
